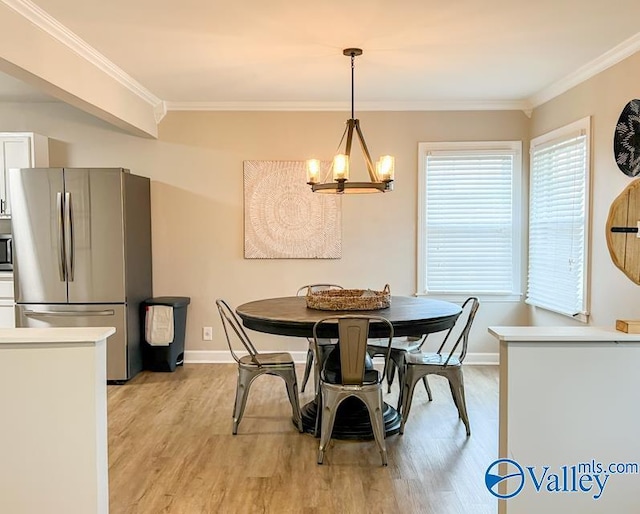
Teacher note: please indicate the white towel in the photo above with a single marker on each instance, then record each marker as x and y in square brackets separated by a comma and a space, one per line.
[159, 325]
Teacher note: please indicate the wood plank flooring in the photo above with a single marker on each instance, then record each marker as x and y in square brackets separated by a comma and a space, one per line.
[171, 451]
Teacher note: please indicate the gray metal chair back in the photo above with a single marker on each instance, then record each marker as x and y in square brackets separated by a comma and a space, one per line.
[352, 343]
[231, 322]
[254, 364]
[470, 306]
[304, 291]
[355, 380]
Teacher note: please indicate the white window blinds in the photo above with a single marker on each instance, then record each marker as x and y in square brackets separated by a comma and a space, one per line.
[558, 215]
[470, 241]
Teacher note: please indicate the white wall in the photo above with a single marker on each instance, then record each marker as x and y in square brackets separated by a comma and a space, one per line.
[197, 200]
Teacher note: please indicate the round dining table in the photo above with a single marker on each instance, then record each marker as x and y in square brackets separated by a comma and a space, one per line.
[290, 316]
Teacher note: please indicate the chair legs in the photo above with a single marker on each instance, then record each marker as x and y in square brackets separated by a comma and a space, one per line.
[377, 423]
[391, 373]
[456, 384]
[398, 362]
[307, 369]
[427, 388]
[401, 393]
[292, 390]
[331, 399]
[246, 376]
[408, 386]
[328, 417]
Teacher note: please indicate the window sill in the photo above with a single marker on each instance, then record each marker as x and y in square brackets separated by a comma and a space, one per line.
[580, 316]
[483, 297]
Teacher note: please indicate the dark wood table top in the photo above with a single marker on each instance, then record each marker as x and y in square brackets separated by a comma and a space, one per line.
[290, 316]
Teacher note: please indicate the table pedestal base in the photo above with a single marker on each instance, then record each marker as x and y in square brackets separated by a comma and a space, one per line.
[352, 420]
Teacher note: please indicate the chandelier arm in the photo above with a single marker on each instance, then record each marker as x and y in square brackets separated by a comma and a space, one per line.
[346, 128]
[372, 172]
[350, 124]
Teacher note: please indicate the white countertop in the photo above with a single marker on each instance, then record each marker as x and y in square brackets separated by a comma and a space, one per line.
[55, 335]
[562, 334]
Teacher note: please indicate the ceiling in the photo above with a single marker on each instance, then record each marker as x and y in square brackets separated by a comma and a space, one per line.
[417, 53]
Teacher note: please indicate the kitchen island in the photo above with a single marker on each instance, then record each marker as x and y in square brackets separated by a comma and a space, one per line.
[568, 420]
[53, 429]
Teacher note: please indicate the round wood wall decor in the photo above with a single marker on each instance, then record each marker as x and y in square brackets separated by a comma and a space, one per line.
[626, 140]
[622, 231]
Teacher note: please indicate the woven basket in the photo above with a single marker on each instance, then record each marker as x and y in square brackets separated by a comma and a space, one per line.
[349, 299]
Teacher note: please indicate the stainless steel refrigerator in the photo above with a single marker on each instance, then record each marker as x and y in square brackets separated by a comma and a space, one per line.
[82, 254]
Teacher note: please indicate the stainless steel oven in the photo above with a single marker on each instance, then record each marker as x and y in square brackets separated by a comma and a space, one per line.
[6, 253]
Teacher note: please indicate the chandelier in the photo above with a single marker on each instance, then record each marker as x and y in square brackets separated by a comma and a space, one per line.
[380, 174]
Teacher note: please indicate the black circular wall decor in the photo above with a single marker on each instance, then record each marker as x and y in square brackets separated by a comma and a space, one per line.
[626, 141]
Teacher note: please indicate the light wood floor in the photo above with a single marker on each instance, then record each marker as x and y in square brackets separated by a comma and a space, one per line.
[171, 451]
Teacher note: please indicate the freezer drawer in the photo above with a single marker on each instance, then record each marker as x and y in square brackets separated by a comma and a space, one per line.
[95, 315]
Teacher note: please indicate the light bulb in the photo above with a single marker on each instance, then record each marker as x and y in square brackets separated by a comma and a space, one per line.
[341, 167]
[313, 171]
[386, 168]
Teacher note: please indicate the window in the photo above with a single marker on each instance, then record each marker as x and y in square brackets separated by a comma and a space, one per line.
[469, 219]
[558, 220]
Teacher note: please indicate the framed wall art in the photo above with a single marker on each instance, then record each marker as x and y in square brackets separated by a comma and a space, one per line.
[283, 219]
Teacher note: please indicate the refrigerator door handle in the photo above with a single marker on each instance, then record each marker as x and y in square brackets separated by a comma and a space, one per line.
[77, 314]
[61, 252]
[69, 242]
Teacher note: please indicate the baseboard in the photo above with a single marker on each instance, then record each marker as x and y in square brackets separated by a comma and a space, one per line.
[224, 357]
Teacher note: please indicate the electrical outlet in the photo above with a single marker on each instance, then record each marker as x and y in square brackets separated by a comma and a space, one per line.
[207, 333]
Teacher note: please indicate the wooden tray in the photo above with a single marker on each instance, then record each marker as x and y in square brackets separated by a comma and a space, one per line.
[349, 299]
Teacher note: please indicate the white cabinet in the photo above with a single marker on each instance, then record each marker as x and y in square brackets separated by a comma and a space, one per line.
[568, 409]
[7, 316]
[19, 150]
[53, 434]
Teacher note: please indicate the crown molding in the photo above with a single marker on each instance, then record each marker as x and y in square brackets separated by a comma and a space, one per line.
[56, 30]
[598, 65]
[449, 105]
[160, 111]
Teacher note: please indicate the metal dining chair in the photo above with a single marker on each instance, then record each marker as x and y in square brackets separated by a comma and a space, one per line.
[304, 291]
[448, 365]
[255, 364]
[351, 378]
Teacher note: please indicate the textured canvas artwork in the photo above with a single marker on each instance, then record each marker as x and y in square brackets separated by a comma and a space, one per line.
[283, 219]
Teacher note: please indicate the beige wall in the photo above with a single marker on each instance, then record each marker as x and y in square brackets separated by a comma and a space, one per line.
[197, 203]
[613, 295]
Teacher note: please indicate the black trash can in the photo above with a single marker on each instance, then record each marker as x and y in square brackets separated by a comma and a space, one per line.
[165, 358]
